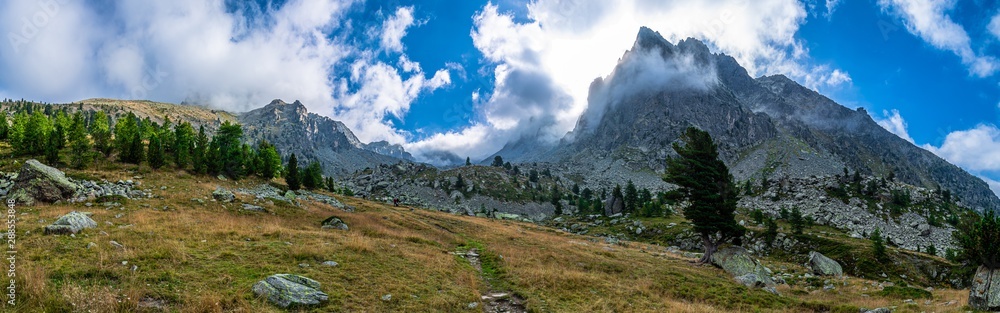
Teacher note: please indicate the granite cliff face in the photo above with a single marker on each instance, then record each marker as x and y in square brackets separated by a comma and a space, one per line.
[314, 138]
[765, 127]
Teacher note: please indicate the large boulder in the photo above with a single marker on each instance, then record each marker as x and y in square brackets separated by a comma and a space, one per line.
[71, 223]
[614, 205]
[738, 262]
[223, 194]
[288, 290]
[984, 294]
[40, 182]
[334, 222]
[822, 265]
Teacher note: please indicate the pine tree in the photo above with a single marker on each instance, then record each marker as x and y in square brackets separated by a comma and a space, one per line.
[497, 161]
[980, 240]
[230, 150]
[468, 161]
[708, 186]
[200, 152]
[312, 176]
[183, 144]
[878, 245]
[331, 185]
[156, 158]
[270, 160]
[52, 150]
[292, 173]
[4, 126]
[554, 197]
[798, 223]
[459, 183]
[631, 197]
[79, 142]
[135, 149]
[100, 130]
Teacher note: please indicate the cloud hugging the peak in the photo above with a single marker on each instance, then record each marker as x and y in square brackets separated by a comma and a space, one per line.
[563, 45]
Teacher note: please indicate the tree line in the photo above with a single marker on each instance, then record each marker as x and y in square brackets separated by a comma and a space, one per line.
[43, 131]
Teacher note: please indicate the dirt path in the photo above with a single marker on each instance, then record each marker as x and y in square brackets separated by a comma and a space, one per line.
[495, 301]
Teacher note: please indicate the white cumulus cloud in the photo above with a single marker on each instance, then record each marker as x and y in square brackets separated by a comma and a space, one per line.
[171, 51]
[394, 29]
[929, 20]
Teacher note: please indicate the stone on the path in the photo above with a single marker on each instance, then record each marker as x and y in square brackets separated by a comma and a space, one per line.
[334, 222]
[822, 265]
[984, 294]
[222, 194]
[40, 182]
[71, 223]
[738, 262]
[330, 263]
[287, 290]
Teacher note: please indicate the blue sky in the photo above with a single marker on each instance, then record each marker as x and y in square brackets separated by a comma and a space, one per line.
[466, 77]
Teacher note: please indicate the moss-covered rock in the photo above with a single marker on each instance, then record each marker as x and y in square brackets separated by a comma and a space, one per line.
[334, 222]
[40, 182]
[822, 265]
[288, 290]
[738, 262]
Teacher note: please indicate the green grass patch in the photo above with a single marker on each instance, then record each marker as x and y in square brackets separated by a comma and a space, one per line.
[904, 293]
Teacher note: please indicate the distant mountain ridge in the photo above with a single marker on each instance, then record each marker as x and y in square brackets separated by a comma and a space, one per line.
[765, 127]
[312, 137]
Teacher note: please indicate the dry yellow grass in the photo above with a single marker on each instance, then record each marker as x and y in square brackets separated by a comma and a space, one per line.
[204, 257]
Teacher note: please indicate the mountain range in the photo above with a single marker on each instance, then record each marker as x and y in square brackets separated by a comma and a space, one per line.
[767, 127]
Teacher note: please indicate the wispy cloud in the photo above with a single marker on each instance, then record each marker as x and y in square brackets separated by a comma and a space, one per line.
[929, 20]
[895, 124]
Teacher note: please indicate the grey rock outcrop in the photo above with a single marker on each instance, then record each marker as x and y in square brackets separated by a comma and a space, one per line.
[71, 223]
[738, 262]
[334, 222]
[985, 291]
[223, 194]
[614, 205]
[40, 182]
[288, 290]
[822, 265]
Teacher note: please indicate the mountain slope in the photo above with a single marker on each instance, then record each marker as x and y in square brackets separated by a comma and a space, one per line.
[312, 138]
[767, 127]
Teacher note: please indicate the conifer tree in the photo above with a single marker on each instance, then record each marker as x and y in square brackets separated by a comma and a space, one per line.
[312, 176]
[980, 240]
[79, 143]
[183, 144]
[100, 130]
[708, 186]
[292, 173]
[631, 197]
[200, 152]
[156, 158]
[230, 151]
[270, 160]
[136, 149]
[4, 126]
[52, 150]
[878, 245]
[554, 197]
